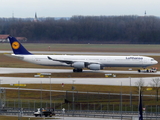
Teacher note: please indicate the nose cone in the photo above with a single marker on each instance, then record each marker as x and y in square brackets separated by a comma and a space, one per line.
[155, 62]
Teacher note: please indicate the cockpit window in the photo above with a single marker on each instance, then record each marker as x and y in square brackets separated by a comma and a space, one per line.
[152, 59]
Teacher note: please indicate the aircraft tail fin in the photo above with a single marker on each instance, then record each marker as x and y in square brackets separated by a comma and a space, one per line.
[17, 47]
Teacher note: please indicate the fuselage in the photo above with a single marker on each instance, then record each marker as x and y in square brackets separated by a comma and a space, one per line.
[104, 61]
[78, 62]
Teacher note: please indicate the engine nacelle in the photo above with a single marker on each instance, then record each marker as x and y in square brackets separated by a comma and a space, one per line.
[78, 65]
[95, 67]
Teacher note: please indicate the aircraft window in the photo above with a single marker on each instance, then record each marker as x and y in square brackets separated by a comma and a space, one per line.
[152, 59]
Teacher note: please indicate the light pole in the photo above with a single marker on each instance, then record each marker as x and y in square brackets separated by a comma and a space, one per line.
[50, 93]
[40, 75]
[41, 98]
[121, 100]
[19, 102]
[0, 94]
[130, 93]
[140, 104]
[41, 95]
[73, 88]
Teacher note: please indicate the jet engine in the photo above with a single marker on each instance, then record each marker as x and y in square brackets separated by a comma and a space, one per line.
[95, 67]
[78, 65]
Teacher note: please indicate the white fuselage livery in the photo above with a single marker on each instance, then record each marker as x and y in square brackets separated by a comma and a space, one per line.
[78, 62]
[104, 61]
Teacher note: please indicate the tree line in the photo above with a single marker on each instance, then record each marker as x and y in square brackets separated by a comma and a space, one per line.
[86, 29]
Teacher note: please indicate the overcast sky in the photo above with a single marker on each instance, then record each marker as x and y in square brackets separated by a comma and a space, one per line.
[68, 8]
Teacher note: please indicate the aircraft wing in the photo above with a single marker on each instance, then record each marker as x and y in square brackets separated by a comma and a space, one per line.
[71, 62]
[63, 61]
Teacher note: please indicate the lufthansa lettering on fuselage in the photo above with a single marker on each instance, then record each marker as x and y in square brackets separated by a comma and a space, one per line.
[134, 58]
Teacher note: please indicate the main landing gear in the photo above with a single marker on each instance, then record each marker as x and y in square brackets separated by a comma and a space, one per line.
[77, 70]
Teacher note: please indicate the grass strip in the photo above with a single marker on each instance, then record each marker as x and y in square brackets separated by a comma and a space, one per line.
[22, 118]
[81, 75]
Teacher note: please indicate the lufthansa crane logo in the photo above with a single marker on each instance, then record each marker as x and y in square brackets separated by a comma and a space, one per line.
[15, 45]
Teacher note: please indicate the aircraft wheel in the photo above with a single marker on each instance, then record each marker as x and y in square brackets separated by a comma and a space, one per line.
[139, 70]
[74, 70]
[77, 70]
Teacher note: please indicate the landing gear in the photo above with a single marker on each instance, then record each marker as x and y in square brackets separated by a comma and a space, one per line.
[77, 70]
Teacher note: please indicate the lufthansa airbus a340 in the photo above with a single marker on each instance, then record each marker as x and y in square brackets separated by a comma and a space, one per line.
[78, 62]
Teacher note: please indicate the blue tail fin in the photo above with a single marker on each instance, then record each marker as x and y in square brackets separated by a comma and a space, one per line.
[17, 47]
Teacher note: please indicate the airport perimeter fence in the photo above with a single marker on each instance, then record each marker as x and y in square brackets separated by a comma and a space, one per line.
[81, 103]
[108, 114]
[94, 108]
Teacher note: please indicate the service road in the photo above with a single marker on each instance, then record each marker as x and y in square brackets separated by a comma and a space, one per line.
[87, 81]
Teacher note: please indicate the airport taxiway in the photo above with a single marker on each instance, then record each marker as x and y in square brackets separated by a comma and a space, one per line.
[5, 70]
[87, 81]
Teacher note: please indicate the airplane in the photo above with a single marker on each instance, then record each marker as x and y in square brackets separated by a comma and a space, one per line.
[79, 62]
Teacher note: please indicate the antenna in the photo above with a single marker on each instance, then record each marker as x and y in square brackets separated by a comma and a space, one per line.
[12, 14]
[145, 13]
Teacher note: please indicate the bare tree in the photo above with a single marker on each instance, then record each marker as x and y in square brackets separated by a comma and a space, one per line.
[156, 85]
[140, 84]
[85, 29]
